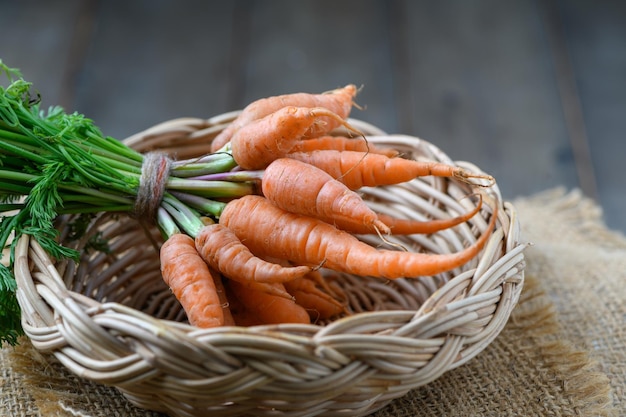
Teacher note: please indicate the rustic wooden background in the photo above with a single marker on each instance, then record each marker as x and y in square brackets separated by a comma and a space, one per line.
[532, 91]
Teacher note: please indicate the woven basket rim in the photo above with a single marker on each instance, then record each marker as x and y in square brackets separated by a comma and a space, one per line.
[383, 342]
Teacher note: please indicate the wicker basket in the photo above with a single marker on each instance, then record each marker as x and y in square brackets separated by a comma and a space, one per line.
[111, 319]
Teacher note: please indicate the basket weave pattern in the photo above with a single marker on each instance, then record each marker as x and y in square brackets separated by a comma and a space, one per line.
[111, 319]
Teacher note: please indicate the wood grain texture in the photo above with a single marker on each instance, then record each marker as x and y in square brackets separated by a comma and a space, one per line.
[595, 33]
[482, 86]
[532, 91]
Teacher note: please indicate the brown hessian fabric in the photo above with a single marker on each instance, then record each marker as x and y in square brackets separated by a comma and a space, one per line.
[563, 352]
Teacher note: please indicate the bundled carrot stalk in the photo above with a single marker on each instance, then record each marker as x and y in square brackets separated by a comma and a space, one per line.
[280, 191]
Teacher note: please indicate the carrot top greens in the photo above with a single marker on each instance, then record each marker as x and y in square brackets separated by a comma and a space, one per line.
[53, 162]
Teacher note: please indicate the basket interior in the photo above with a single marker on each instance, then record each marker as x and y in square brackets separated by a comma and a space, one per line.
[127, 270]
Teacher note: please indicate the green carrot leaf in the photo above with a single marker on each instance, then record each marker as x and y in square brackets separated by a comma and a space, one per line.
[10, 318]
[11, 73]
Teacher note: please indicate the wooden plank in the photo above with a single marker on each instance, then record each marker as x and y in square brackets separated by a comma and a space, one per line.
[36, 37]
[150, 62]
[316, 46]
[482, 87]
[570, 99]
[596, 40]
[478, 78]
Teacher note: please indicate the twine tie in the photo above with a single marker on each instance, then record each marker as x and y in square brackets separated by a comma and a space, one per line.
[154, 175]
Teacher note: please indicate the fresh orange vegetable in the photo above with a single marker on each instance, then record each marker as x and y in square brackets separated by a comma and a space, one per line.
[224, 302]
[301, 188]
[408, 226]
[258, 143]
[223, 251]
[267, 287]
[241, 315]
[360, 169]
[338, 101]
[310, 291]
[341, 143]
[191, 281]
[268, 308]
[304, 240]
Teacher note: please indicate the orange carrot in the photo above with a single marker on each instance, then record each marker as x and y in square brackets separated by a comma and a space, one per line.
[267, 287]
[308, 292]
[301, 188]
[338, 101]
[408, 226]
[304, 240]
[267, 307]
[341, 143]
[360, 169]
[191, 281]
[223, 251]
[224, 302]
[256, 144]
[241, 315]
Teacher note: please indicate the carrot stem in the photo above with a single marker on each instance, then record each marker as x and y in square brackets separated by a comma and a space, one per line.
[214, 189]
[204, 205]
[187, 218]
[235, 176]
[210, 164]
[167, 225]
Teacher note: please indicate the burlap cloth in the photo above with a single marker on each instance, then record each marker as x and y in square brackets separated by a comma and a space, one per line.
[563, 353]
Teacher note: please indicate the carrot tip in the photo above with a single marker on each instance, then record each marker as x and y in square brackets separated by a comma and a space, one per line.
[381, 228]
[466, 177]
[388, 242]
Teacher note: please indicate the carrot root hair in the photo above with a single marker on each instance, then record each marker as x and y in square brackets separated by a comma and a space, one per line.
[467, 177]
[324, 112]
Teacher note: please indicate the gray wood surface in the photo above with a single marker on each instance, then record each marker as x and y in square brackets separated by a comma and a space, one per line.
[532, 91]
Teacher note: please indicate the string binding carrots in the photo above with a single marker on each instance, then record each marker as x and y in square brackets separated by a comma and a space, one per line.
[267, 250]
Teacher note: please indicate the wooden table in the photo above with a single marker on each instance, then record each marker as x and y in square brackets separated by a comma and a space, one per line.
[531, 91]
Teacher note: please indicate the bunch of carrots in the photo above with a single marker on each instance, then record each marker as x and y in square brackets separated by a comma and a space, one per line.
[248, 228]
[272, 246]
